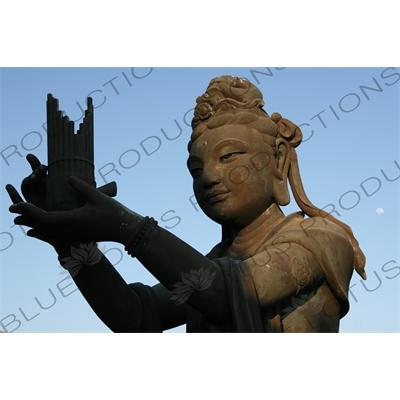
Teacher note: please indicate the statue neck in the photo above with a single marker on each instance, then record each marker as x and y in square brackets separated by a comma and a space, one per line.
[249, 240]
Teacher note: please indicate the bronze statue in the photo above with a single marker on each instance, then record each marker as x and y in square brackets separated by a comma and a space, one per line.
[269, 273]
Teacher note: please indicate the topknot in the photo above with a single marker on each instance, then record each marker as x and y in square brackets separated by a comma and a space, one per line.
[231, 100]
[227, 94]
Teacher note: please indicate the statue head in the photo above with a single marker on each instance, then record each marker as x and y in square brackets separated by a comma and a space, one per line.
[231, 101]
[242, 159]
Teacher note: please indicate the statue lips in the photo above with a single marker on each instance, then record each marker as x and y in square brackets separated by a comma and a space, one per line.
[215, 196]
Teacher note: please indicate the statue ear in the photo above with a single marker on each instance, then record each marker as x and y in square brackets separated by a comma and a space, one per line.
[282, 163]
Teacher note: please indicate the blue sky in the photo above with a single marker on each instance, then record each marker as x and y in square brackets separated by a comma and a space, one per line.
[349, 160]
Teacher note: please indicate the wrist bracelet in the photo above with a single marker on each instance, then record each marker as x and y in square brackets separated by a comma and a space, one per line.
[140, 235]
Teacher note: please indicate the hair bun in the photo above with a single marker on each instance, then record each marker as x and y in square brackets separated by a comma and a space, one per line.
[287, 130]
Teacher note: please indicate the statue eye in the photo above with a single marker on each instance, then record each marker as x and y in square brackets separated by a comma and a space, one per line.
[229, 155]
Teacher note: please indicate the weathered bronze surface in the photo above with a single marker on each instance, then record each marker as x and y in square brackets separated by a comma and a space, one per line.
[269, 273]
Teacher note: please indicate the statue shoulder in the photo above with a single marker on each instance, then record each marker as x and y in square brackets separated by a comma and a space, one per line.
[310, 226]
[327, 241]
[329, 244]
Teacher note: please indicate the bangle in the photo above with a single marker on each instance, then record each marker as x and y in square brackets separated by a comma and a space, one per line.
[140, 235]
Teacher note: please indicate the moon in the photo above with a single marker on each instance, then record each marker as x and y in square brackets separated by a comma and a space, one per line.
[379, 210]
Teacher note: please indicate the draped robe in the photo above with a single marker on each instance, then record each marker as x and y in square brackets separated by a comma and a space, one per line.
[281, 274]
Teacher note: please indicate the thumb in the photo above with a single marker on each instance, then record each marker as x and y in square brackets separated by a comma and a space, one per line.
[82, 187]
[40, 236]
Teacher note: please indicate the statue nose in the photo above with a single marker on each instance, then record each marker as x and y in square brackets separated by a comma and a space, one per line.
[211, 176]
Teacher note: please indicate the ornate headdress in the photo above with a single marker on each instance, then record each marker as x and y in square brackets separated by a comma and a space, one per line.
[233, 100]
[227, 93]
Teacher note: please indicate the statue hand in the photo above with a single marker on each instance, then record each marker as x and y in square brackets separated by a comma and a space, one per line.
[100, 219]
[33, 187]
[37, 198]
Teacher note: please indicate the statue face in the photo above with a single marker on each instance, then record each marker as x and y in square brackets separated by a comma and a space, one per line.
[232, 176]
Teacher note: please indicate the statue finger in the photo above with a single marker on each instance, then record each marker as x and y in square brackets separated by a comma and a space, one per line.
[33, 161]
[39, 172]
[82, 187]
[35, 233]
[20, 220]
[14, 195]
[31, 212]
[35, 216]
